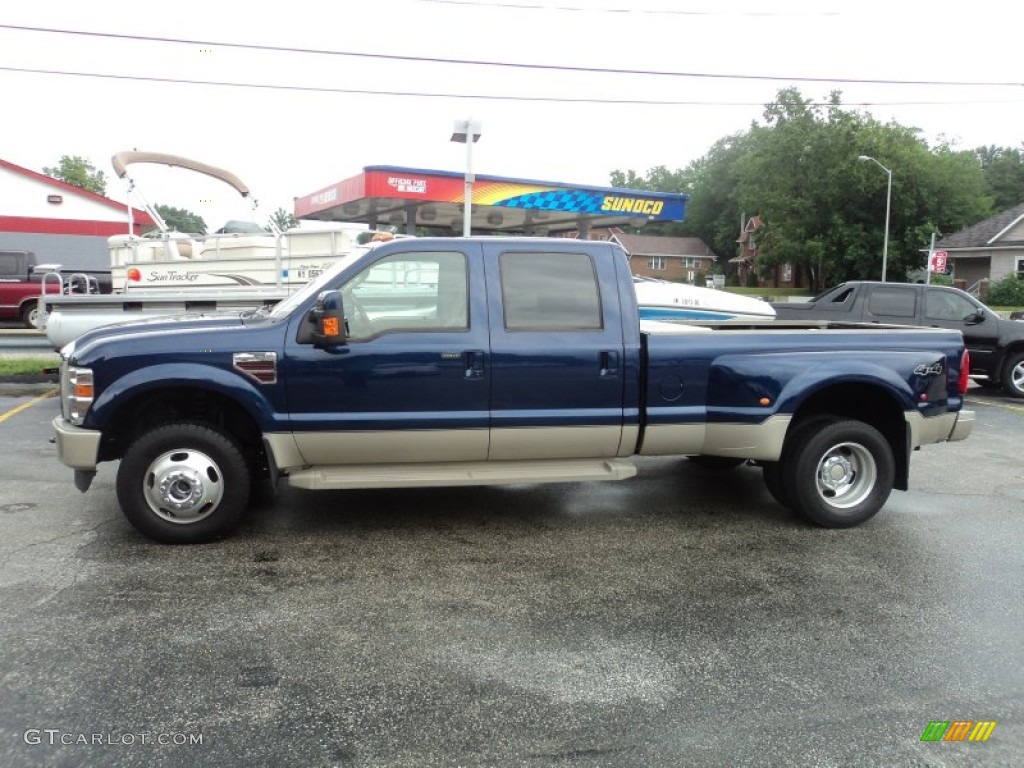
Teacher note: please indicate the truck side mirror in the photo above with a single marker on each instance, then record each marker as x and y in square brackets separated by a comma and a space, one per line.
[975, 318]
[328, 318]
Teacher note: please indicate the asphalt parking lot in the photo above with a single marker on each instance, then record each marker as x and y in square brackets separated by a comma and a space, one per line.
[678, 618]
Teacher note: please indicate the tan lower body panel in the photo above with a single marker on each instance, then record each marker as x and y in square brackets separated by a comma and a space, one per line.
[938, 429]
[392, 446]
[434, 446]
[742, 441]
[595, 442]
[461, 473]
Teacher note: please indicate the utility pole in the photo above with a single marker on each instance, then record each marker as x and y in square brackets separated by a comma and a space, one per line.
[928, 266]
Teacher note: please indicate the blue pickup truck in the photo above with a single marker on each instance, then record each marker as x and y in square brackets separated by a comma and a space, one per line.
[480, 361]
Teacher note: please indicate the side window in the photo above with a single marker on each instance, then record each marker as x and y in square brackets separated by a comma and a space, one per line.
[550, 292]
[892, 302]
[408, 292]
[840, 302]
[943, 305]
[8, 264]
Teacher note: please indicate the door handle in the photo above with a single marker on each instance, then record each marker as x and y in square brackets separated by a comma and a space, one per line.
[474, 360]
[609, 363]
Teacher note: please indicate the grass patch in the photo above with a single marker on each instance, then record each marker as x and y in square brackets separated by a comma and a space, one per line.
[27, 366]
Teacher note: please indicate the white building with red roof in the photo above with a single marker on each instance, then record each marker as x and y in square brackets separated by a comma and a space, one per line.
[59, 222]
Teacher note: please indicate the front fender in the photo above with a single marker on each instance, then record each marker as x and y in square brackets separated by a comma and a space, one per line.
[255, 399]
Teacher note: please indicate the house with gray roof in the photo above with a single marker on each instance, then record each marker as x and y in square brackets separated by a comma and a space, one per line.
[988, 250]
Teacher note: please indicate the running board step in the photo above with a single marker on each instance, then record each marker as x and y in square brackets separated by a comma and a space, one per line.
[466, 473]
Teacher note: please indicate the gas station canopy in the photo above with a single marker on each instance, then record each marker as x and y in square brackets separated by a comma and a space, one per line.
[384, 195]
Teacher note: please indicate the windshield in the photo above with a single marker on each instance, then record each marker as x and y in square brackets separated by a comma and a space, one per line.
[314, 287]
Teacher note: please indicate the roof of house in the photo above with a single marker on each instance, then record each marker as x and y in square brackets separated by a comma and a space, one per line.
[753, 224]
[141, 217]
[654, 245]
[984, 232]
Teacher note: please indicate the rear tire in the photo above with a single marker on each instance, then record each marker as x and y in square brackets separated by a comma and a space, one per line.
[772, 472]
[30, 314]
[839, 473]
[183, 483]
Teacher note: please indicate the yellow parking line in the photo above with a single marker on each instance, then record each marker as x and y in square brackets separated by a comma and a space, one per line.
[5, 416]
[1016, 408]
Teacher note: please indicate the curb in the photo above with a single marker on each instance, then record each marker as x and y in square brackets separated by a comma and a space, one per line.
[11, 386]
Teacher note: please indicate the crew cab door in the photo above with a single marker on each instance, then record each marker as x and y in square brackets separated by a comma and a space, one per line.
[947, 308]
[409, 383]
[557, 352]
[892, 303]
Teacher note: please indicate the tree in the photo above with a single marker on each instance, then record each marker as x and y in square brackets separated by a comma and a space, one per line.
[282, 220]
[822, 208]
[1003, 168]
[79, 172]
[181, 220]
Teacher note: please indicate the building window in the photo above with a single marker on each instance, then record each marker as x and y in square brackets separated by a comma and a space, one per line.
[787, 273]
[656, 262]
[1020, 269]
[691, 263]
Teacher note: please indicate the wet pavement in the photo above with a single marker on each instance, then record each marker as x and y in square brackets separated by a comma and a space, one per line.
[678, 618]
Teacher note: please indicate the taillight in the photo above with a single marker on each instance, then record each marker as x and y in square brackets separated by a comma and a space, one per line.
[965, 371]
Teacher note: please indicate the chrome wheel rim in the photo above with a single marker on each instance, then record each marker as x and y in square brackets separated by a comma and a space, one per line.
[846, 475]
[1017, 376]
[183, 486]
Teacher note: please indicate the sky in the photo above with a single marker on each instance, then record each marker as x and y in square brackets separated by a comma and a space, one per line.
[320, 115]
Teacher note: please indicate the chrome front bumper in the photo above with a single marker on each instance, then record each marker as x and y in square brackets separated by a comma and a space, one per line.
[76, 447]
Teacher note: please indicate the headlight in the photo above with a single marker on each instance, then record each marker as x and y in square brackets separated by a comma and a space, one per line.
[76, 392]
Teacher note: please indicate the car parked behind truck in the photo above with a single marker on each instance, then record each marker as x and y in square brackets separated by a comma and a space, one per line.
[996, 345]
[23, 281]
[482, 361]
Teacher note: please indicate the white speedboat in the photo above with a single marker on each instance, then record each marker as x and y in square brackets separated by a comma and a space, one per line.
[663, 300]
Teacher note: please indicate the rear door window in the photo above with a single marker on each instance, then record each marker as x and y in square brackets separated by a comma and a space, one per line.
[893, 302]
[550, 292]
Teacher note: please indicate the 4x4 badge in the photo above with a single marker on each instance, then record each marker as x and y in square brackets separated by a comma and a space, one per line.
[929, 370]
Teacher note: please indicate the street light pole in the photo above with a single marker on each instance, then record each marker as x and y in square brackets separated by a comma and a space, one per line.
[467, 132]
[888, 203]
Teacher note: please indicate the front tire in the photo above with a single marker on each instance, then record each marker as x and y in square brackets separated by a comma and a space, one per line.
[1013, 375]
[183, 483]
[840, 473]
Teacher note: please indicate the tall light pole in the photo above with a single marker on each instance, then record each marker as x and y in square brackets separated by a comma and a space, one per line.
[467, 132]
[888, 200]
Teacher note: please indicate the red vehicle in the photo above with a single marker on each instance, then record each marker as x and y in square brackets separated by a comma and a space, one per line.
[21, 283]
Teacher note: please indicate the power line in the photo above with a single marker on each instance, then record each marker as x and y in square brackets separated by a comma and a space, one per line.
[480, 96]
[505, 64]
[650, 11]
